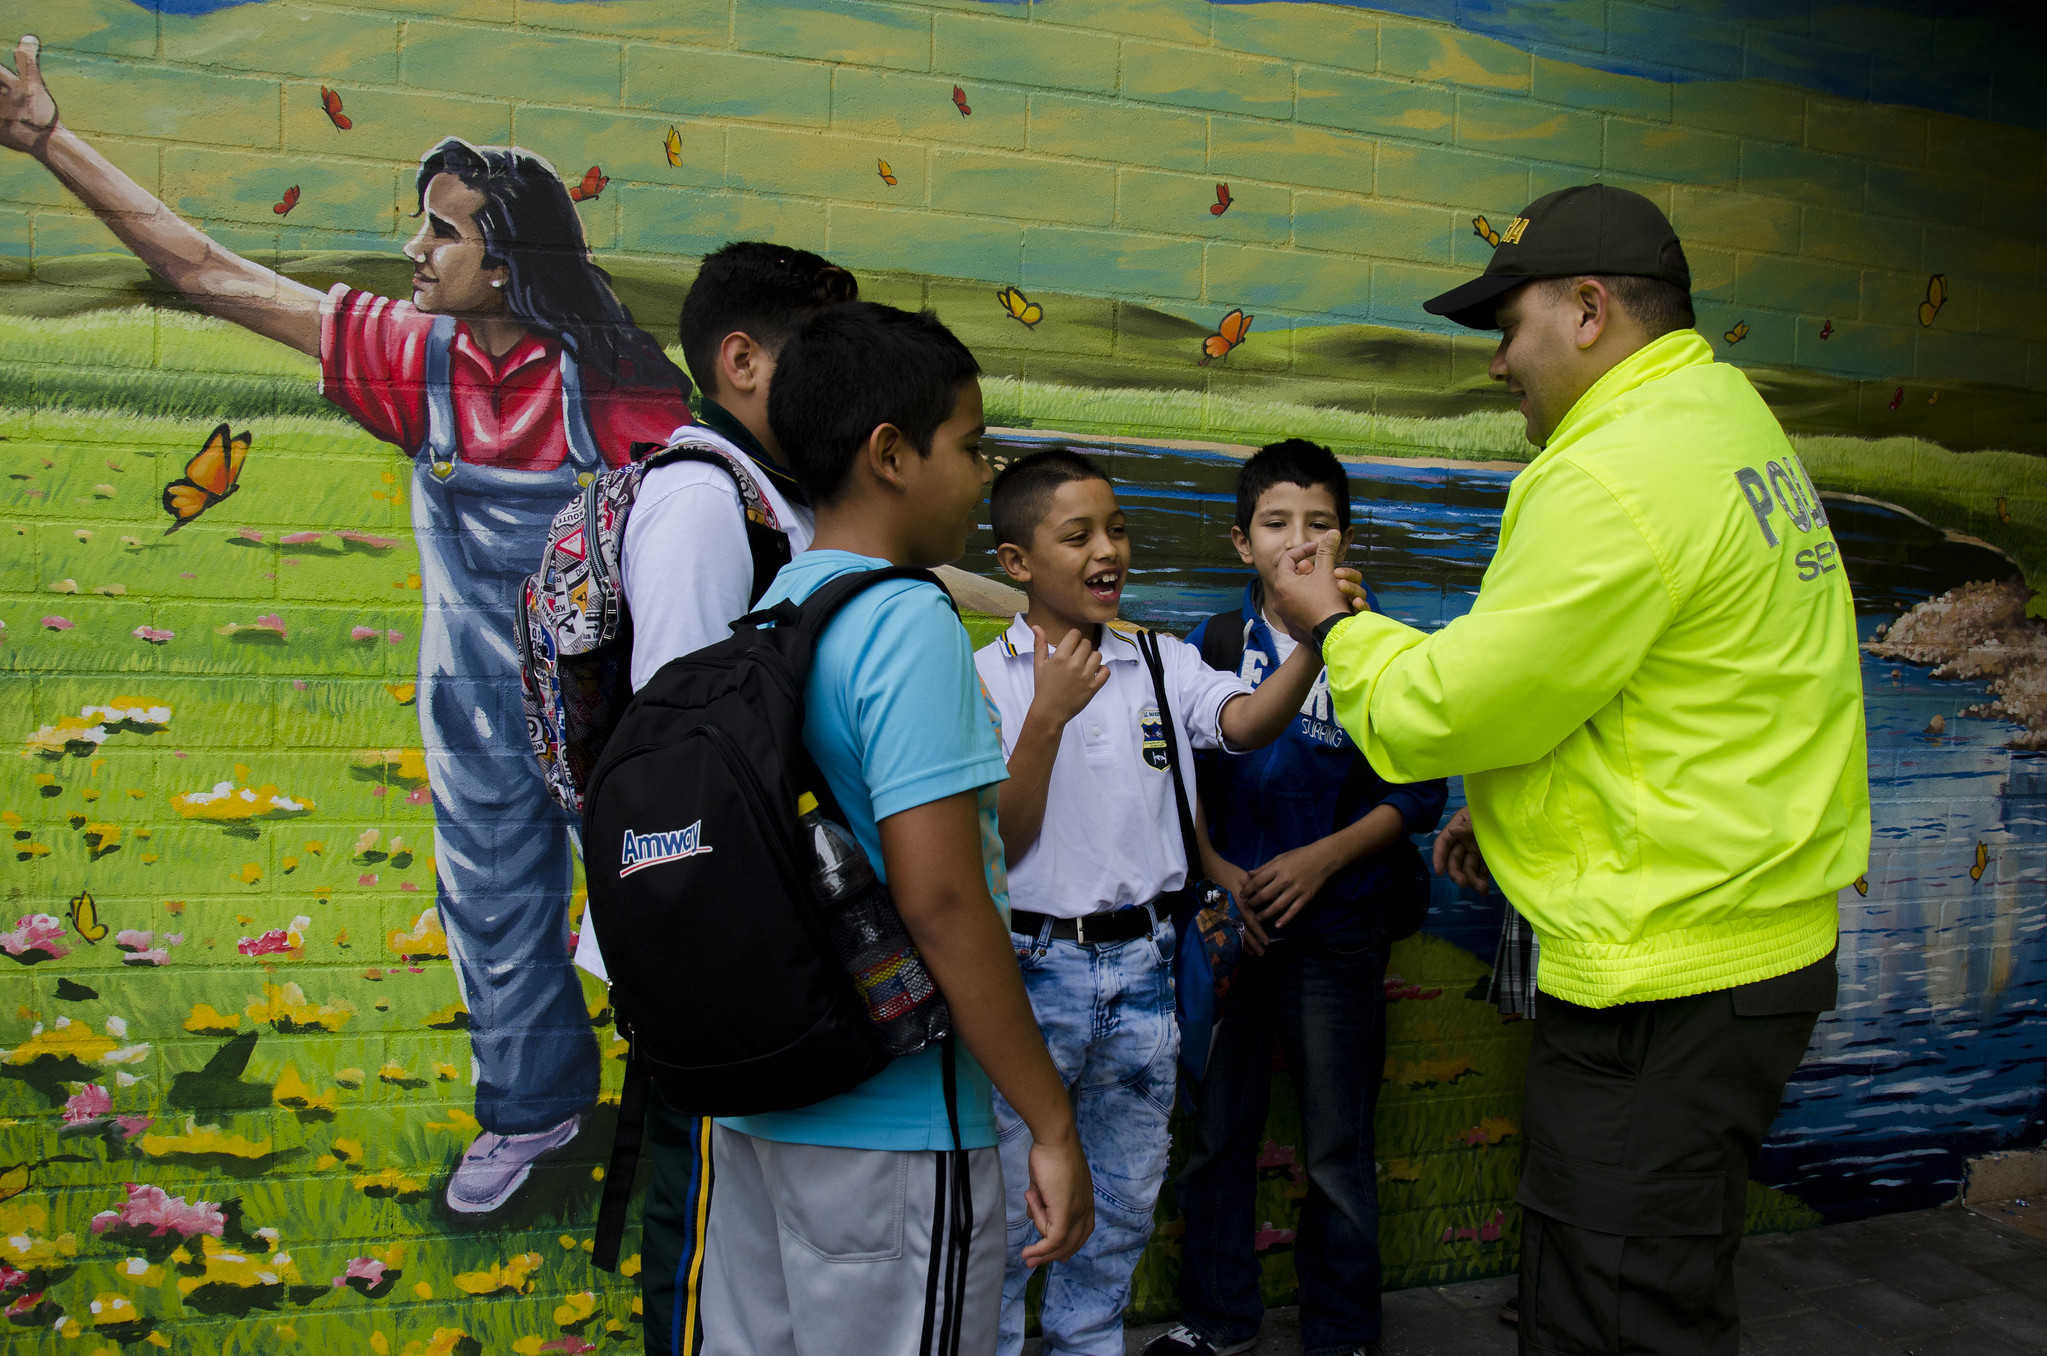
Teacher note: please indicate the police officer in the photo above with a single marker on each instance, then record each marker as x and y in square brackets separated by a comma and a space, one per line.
[1656, 705]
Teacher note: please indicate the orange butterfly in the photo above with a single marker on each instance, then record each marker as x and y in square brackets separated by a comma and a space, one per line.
[888, 176]
[291, 200]
[1222, 200]
[1483, 229]
[1226, 337]
[331, 102]
[959, 99]
[210, 477]
[594, 180]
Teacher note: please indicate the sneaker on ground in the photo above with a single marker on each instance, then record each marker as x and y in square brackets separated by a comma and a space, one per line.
[497, 1165]
[1182, 1340]
[1510, 1312]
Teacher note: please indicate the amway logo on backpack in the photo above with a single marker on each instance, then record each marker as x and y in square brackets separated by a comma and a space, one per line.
[642, 850]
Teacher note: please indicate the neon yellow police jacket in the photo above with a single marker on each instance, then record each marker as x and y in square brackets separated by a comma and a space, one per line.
[1655, 701]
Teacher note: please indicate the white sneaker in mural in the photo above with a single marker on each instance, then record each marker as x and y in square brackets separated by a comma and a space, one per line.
[497, 1165]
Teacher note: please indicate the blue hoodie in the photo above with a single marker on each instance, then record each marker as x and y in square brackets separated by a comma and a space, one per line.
[1304, 786]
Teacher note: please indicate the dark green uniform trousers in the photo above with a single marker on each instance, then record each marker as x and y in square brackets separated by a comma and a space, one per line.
[1642, 1122]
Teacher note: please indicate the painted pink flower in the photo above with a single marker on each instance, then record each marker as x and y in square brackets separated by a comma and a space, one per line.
[131, 1126]
[89, 1103]
[419, 795]
[379, 791]
[248, 534]
[35, 937]
[132, 939]
[155, 635]
[366, 878]
[1269, 1237]
[275, 942]
[368, 1270]
[395, 637]
[26, 1303]
[365, 539]
[299, 538]
[148, 1208]
[363, 633]
[270, 621]
[57, 623]
[408, 885]
[9, 1277]
[570, 1343]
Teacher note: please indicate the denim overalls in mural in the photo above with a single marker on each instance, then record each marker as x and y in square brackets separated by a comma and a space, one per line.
[504, 851]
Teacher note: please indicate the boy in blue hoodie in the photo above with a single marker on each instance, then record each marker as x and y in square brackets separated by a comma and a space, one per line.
[1314, 844]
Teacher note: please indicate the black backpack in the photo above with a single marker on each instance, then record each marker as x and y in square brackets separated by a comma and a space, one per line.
[1403, 902]
[723, 978]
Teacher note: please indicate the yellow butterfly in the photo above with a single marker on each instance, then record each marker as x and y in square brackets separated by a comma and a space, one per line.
[13, 1180]
[1738, 333]
[1936, 297]
[1020, 308]
[1862, 884]
[1485, 232]
[2003, 510]
[1982, 860]
[85, 916]
[888, 176]
[672, 144]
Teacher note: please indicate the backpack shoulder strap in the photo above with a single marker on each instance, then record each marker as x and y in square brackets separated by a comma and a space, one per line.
[1155, 660]
[1222, 641]
[815, 613]
[767, 541]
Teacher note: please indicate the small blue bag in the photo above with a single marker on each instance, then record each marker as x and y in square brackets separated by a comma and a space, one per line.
[1209, 924]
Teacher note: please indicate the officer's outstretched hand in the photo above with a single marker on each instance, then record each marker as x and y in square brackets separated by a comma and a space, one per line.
[1308, 587]
[1458, 857]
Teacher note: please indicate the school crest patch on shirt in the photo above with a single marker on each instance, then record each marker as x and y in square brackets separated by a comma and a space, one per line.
[1153, 731]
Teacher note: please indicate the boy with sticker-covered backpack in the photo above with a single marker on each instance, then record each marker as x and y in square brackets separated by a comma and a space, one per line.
[661, 556]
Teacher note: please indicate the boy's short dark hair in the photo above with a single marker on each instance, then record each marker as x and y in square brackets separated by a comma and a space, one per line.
[1294, 461]
[1021, 494]
[755, 288]
[851, 369]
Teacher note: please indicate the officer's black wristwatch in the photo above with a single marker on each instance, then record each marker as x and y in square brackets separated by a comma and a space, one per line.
[1324, 627]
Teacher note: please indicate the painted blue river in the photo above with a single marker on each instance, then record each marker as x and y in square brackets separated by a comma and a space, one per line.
[1938, 1049]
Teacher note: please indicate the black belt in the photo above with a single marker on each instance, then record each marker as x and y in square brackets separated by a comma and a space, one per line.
[1117, 925]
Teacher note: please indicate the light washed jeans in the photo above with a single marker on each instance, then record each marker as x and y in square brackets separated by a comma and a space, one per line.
[1107, 1015]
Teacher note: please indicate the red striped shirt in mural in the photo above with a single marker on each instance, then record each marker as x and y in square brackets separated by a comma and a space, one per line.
[508, 409]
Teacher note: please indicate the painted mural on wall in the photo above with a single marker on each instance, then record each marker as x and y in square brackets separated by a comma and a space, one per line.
[292, 1050]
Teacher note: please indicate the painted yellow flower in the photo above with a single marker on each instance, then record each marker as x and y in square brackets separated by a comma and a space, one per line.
[389, 1182]
[292, 1091]
[574, 1309]
[287, 1009]
[224, 1264]
[206, 1022]
[203, 1139]
[514, 1275]
[425, 941]
[444, 1342]
[230, 803]
[108, 1308]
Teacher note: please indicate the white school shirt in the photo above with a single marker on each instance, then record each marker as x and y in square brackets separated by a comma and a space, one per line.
[1111, 835]
[688, 571]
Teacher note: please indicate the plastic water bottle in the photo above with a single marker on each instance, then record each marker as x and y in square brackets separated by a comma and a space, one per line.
[869, 939]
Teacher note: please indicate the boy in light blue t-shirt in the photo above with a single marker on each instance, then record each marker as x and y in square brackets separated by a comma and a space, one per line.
[879, 412]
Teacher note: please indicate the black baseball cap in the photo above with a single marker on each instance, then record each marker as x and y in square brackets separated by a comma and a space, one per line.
[1590, 229]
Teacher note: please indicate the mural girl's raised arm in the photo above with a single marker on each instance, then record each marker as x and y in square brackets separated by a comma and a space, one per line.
[214, 278]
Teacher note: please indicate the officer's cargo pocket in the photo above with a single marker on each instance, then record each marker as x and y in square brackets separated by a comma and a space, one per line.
[1622, 1201]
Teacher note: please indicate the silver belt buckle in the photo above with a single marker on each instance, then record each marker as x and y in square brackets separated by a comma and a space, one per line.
[1080, 930]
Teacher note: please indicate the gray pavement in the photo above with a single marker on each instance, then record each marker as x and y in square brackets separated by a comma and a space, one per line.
[1925, 1283]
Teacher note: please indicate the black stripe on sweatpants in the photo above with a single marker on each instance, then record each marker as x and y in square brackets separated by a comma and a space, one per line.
[938, 1222]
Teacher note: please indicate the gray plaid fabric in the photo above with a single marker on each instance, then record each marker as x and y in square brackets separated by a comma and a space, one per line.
[1513, 986]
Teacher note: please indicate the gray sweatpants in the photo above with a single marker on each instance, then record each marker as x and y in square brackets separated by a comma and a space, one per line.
[815, 1251]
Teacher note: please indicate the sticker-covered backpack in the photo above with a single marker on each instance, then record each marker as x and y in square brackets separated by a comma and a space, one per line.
[574, 631]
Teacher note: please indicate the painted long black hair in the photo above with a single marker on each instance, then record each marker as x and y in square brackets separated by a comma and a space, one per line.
[530, 226]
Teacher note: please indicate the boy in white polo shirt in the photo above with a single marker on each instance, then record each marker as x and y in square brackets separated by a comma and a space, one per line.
[1094, 847]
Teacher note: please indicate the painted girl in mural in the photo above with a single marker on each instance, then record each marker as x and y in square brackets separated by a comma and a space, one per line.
[511, 374]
